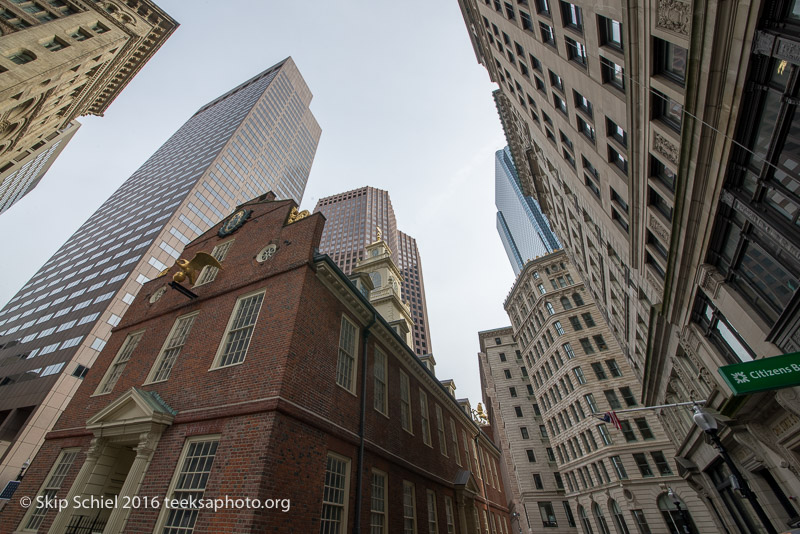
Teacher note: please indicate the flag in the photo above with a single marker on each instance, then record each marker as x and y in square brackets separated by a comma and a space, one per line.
[611, 417]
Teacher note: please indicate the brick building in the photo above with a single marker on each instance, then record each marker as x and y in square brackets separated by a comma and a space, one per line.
[278, 381]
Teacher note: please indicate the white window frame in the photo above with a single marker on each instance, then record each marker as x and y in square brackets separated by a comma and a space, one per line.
[176, 339]
[450, 517]
[406, 420]
[222, 345]
[440, 431]
[164, 515]
[343, 357]
[117, 367]
[454, 441]
[344, 506]
[433, 520]
[209, 273]
[50, 488]
[378, 508]
[408, 491]
[425, 418]
[380, 382]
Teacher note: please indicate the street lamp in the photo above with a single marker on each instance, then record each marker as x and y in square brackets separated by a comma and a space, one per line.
[515, 515]
[708, 424]
[25, 465]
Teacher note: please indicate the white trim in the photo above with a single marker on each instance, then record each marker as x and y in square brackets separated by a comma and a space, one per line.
[218, 356]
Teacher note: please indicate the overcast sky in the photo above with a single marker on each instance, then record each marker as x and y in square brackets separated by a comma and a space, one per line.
[403, 105]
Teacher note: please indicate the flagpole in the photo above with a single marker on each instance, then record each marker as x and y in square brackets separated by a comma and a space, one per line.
[692, 403]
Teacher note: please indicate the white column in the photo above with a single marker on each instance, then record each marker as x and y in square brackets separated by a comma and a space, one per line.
[92, 456]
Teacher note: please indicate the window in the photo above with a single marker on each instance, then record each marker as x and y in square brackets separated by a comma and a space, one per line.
[237, 336]
[556, 81]
[644, 428]
[604, 434]
[587, 526]
[518, 411]
[599, 372]
[641, 521]
[380, 400]
[627, 431]
[502, 356]
[669, 111]
[642, 464]
[21, 57]
[449, 515]
[615, 132]
[566, 141]
[524, 432]
[54, 44]
[378, 503]
[454, 442]
[586, 345]
[589, 398]
[543, 431]
[610, 33]
[550, 309]
[548, 514]
[531, 455]
[543, 7]
[612, 73]
[572, 16]
[627, 394]
[568, 348]
[120, 361]
[670, 60]
[660, 171]
[579, 375]
[586, 129]
[548, 37]
[568, 512]
[576, 323]
[50, 488]
[209, 272]
[619, 468]
[440, 431]
[507, 373]
[527, 22]
[611, 396]
[433, 527]
[616, 199]
[658, 202]
[600, 342]
[576, 51]
[172, 348]
[661, 463]
[537, 481]
[615, 157]
[80, 35]
[189, 482]
[559, 328]
[405, 403]
[426, 426]
[334, 495]
[409, 509]
[512, 391]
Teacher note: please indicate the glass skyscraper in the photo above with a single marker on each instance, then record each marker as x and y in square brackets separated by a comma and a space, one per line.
[352, 218]
[260, 136]
[523, 228]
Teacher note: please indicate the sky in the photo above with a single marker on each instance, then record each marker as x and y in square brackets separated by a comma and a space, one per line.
[403, 105]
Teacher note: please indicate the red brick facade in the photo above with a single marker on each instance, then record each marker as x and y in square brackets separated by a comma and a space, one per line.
[277, 414]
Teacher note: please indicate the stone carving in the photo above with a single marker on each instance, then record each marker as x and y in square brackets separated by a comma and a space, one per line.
[788, 50]
[763, 43]
[147, 443]
[744, 438]
[789, 398]
[652, 280]
[674, 16]
[659, 230]
[96, 448]
[666, 148]
[710, 279]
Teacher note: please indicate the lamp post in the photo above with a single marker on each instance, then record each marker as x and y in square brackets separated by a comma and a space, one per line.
[515, 515]
[706, 422]
[479, 416]
[684, 515]
[25, 465]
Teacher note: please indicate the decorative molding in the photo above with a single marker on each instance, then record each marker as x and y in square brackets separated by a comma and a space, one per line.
[755, 218]
[709, 279]
[674, 16]
[788, 50]
[763, 43]
[789, 398]
[666, 148]
[658, 229]
[654, 282]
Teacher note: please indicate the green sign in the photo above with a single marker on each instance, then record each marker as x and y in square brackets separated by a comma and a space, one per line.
[776, 372]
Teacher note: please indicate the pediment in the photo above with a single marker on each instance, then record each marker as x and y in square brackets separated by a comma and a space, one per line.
[465, 481]
[133, 407]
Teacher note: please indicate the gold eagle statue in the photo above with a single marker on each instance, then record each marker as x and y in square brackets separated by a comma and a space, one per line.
[190, 269]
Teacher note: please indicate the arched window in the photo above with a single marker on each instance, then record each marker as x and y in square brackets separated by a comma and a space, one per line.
[674, 511]
[587, 526]
[565, 303]
[578, 299]
[550, 310]
[601, 520]
[619, 519]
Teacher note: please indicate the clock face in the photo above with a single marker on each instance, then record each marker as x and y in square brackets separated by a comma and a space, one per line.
[158, 294]
[266, 253]
[234, 222]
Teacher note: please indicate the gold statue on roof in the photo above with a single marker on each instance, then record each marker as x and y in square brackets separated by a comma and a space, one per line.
[380, 233]
[190, 269]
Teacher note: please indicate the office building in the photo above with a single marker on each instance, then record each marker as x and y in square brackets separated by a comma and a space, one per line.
[61, 60]
[353, 219]
[547, 378]
[258, 137]
[252, 390]
[523, 228]
[662, 143]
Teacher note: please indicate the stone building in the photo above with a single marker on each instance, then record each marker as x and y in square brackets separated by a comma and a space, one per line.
[546, 380]
[274, 378]
[59, 60]
[260, 136]
[662, 142]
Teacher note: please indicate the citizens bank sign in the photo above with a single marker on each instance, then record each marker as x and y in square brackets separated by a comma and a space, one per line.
[776, 372]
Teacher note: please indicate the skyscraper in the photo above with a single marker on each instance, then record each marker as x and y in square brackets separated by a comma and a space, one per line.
[260, 136]
[523, 228]
[352, 220]
[64, 60]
